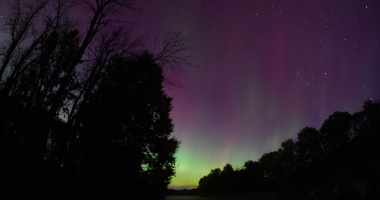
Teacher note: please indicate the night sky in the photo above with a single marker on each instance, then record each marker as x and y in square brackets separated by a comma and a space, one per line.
[266, 70]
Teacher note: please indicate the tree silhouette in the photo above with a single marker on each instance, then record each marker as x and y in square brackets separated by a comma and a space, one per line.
[210, 185]
[228, 180]
[308, 146]
[253, 175]
[338, 162]
[269, 165]
[335, 131]
[366, 146]
[287, 161]
[81, 114]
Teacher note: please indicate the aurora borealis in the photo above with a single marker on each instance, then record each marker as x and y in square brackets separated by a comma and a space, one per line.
[266, 70]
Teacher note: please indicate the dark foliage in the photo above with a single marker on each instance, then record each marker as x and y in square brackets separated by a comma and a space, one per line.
[339, 161]
[84, 115]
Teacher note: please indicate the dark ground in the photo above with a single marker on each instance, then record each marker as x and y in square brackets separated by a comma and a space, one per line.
[247, 197]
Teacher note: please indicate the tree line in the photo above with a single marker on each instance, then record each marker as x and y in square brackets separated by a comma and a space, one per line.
[83, 111]
[338, 161]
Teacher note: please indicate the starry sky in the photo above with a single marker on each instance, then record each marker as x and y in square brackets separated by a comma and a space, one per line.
[266, 70]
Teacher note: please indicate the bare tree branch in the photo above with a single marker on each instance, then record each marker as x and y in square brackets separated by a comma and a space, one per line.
[19, 25]
[172, 52]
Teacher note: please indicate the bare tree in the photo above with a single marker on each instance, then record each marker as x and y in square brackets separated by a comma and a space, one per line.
[19, 27]
[27, 55]
[100, 10]
[56, 74]
[172, 51]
